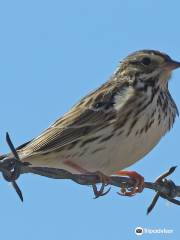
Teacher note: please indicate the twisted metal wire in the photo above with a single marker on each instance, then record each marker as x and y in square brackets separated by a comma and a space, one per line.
[11, 169]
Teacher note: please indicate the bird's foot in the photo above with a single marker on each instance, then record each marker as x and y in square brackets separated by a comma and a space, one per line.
[105, 180]
[139, 183]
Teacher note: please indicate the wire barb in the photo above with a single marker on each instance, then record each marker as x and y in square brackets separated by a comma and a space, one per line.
[12, 168]
[170, 195]
[11, 146]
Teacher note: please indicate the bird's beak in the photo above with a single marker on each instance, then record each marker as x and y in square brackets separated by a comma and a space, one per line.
[171, 65]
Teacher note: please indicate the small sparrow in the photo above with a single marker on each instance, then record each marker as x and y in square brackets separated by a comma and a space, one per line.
[114, 126]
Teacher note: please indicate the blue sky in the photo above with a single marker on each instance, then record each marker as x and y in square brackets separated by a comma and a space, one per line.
[51, 54]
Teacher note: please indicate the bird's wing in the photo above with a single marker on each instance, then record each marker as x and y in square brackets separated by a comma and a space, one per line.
[92, 113]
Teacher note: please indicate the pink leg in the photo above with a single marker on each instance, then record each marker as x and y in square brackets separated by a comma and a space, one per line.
[135, 176]
[105, 180]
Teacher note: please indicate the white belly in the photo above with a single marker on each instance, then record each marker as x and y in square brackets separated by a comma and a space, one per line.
[116, 154]
[121, 151]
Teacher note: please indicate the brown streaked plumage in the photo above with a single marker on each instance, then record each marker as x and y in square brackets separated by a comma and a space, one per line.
[115, 125]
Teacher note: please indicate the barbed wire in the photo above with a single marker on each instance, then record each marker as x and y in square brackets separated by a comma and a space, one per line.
[11, 169]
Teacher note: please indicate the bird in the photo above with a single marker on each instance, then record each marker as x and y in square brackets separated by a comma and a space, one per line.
[113, 126]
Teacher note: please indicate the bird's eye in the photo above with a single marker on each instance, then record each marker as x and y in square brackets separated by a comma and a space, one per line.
[146, 61]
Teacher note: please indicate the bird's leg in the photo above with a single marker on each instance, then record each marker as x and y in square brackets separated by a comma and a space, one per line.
[105, 180]
[139, 183]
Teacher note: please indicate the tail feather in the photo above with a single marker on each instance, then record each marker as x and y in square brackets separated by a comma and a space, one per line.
[18, 148]
[23, 145]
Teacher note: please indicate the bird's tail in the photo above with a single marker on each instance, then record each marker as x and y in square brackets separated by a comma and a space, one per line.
[18, 148]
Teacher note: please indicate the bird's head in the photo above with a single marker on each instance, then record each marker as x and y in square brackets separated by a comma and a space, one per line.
[148, 65]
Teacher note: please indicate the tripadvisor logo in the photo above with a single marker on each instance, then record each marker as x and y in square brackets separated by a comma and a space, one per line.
[139, 231]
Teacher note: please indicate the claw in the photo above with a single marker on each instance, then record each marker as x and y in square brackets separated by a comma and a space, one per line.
[105, 180]
[139, 182]
[100, 193]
